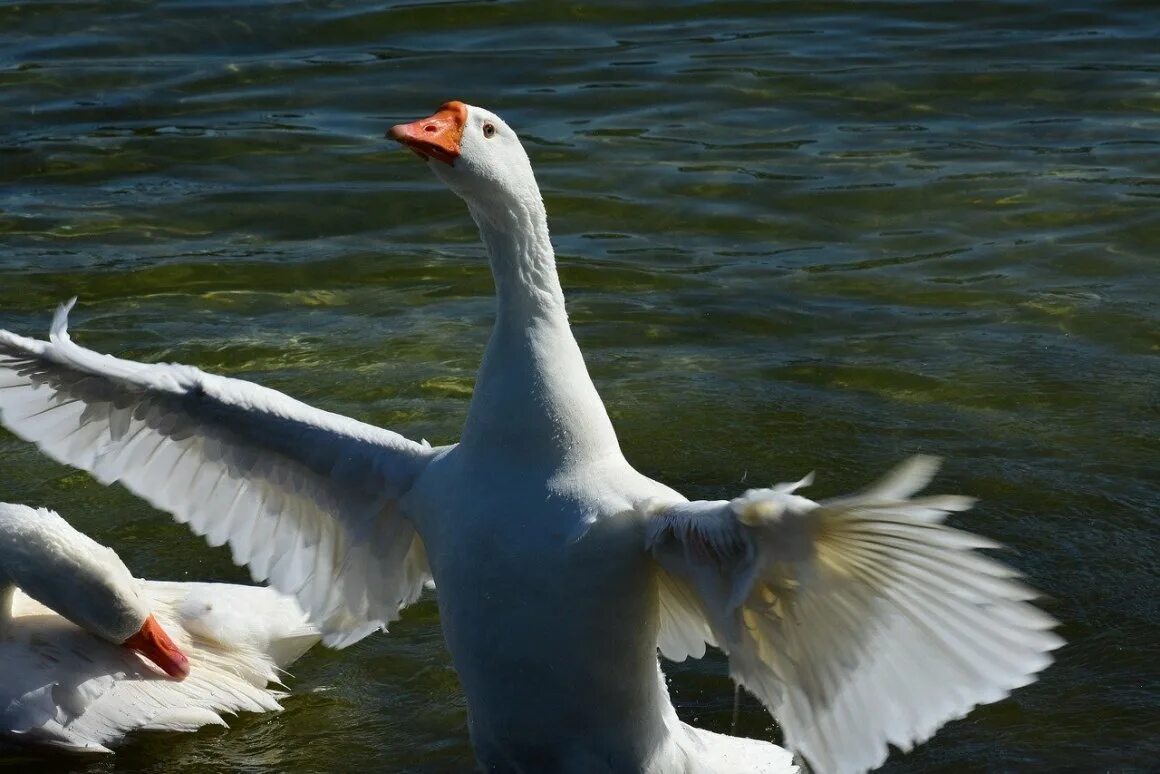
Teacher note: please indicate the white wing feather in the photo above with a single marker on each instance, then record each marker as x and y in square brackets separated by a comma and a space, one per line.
[858, 621]
[306, 498]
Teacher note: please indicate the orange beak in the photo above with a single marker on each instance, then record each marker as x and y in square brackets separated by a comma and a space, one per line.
[154, 644]
[436, 137]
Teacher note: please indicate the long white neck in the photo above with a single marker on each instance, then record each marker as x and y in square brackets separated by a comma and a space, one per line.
[67, 572]
[533, 397]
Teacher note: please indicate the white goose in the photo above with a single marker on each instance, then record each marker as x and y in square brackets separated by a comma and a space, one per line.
[859, 622]
[71, 616]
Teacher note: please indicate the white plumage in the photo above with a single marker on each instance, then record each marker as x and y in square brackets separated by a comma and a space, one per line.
[826, 609]
[69, 688]
[858, 622]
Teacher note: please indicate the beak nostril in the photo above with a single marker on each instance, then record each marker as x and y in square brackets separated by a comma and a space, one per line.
[434, 137]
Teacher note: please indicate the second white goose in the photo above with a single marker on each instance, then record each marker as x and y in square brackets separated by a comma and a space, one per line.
[72, 620]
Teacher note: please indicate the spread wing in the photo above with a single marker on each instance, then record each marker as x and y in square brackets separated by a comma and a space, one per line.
[309, 500]
[858, 621]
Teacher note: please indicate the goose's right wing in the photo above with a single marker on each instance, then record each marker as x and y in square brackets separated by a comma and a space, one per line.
[307, 499]
[857, 621]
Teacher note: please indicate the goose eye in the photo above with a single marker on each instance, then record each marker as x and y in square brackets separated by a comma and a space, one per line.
[488, 130]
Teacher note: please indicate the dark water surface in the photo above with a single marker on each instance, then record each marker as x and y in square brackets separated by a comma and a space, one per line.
[794, 236]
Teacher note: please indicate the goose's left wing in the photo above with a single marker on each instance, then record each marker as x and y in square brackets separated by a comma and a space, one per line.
[308, 499]
[858, 621]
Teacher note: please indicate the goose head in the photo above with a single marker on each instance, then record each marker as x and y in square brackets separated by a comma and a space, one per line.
[82, 581]
[477, 155]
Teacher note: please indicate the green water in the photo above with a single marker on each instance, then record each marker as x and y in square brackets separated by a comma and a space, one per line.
[794, 236]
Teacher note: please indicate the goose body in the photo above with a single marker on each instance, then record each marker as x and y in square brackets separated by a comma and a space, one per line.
[859, 621]
[67, 687]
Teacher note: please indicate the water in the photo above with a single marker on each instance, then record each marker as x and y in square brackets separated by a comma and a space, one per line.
[794, 236]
